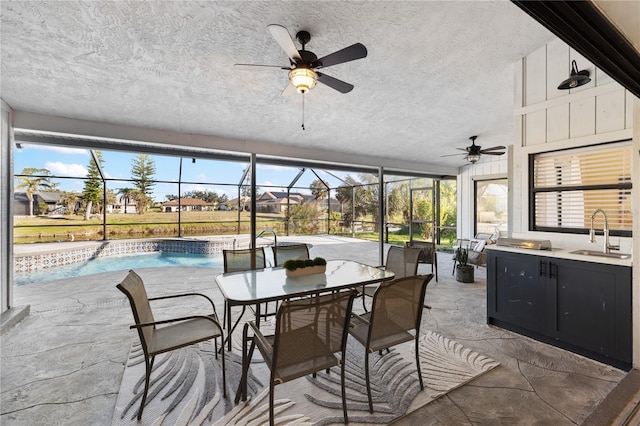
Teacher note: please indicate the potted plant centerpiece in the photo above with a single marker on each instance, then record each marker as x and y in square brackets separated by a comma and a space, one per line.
[299, 267]
[464, 271]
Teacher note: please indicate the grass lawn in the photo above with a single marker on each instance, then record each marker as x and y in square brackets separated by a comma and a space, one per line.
[398, 238]
[60, 228]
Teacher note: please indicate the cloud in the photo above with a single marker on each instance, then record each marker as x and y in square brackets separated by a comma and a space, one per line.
[58, 149]
[61, 169]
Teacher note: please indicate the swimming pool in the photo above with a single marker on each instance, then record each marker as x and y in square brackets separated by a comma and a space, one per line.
[106, 264]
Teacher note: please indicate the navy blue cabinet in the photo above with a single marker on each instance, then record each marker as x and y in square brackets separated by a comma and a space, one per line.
[583, 307]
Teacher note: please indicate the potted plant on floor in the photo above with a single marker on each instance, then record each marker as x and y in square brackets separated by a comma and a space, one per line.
[464, 271]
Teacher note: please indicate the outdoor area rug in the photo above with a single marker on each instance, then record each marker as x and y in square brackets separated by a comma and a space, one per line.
[186, 386]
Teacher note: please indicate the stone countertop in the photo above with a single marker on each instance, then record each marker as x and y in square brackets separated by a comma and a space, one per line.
[560, 253]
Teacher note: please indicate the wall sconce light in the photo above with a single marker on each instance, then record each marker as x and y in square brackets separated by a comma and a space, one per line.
[577, 78]
[193, 161]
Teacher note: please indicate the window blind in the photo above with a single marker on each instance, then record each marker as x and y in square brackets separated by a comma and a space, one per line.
[568, 186]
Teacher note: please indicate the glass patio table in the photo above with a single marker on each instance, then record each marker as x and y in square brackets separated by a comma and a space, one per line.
[272, 284]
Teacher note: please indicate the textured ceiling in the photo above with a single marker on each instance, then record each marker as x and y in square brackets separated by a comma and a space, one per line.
[436, 72]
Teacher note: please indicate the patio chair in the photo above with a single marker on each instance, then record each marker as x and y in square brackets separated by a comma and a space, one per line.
[428, 255]
[396, 311]
[175, 333]
[240, 260]
[402, 261]
[308, 334]
[243, 259]
[476, 249]
[291, 251]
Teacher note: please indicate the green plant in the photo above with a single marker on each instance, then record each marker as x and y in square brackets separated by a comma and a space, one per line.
[293, 264]
[462, 256]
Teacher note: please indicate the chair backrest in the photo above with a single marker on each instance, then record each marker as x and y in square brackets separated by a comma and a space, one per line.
[427, 248]
[310, 328]
[397, 307]
[133, 287]
[403, 261]
[289, 251]
[241, 259]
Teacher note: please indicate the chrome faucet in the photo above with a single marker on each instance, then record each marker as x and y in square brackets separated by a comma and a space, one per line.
[592, 232]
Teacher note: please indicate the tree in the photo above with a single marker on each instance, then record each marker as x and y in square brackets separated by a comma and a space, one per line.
[304, 218]
[141, 200]
[319, 189]
[34, 180]
[448, 209]
[126, 194]
[93, 187]
[143, 168]
[70, 201]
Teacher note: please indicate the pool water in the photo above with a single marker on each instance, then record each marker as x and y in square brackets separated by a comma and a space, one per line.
[107, 264]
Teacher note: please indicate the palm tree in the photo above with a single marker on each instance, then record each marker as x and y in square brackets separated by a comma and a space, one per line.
[319, 189]
[32, 181]
[127, 194]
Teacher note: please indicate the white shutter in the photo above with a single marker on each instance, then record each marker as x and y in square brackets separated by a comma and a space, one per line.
[568, 185]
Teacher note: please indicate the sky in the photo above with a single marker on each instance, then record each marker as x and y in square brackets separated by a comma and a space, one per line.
[73, 162]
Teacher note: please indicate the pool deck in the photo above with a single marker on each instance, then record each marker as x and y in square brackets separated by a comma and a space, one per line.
[63, 363]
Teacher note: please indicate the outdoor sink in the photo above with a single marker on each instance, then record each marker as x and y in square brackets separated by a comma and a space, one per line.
[601, 254]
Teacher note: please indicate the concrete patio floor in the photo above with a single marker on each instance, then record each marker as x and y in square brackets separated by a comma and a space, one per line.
[64, 362]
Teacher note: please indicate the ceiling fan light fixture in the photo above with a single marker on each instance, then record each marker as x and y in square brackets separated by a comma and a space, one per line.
[303, 79]
[473, 158]
[576, 79]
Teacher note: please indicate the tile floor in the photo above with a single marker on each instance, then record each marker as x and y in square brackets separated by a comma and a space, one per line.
[64, 362]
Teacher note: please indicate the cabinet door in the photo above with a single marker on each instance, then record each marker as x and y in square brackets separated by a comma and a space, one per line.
[515, 293]
[590, 306]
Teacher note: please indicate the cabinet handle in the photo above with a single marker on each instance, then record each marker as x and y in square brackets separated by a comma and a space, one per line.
[542, 269]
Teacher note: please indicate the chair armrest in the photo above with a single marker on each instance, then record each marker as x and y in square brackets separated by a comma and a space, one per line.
[359, 318]
[258, 337]
[168, 321]
[173, 296]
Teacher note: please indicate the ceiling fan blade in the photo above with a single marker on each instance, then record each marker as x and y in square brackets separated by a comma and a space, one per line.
[334, 83]
[493, 148]
[282, 36]
[453, 155]
[492, 153]
[351, 53]
[463, 149]
[261, 66]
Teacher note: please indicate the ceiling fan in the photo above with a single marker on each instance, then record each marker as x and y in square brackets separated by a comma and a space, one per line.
[303, 64]
[473, 152]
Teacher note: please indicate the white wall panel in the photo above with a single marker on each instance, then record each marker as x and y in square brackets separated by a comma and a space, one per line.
[518, 79]
[535, 128]
[535, 77]
[610, 111]
[629, 99]
[602, 78]
[558, 67]
[582, 118]
[558, 123]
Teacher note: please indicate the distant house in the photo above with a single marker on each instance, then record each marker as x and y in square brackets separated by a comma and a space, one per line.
[53, 200]
[186, 204]
[276, 201]
[234, 203]
[124, 204]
